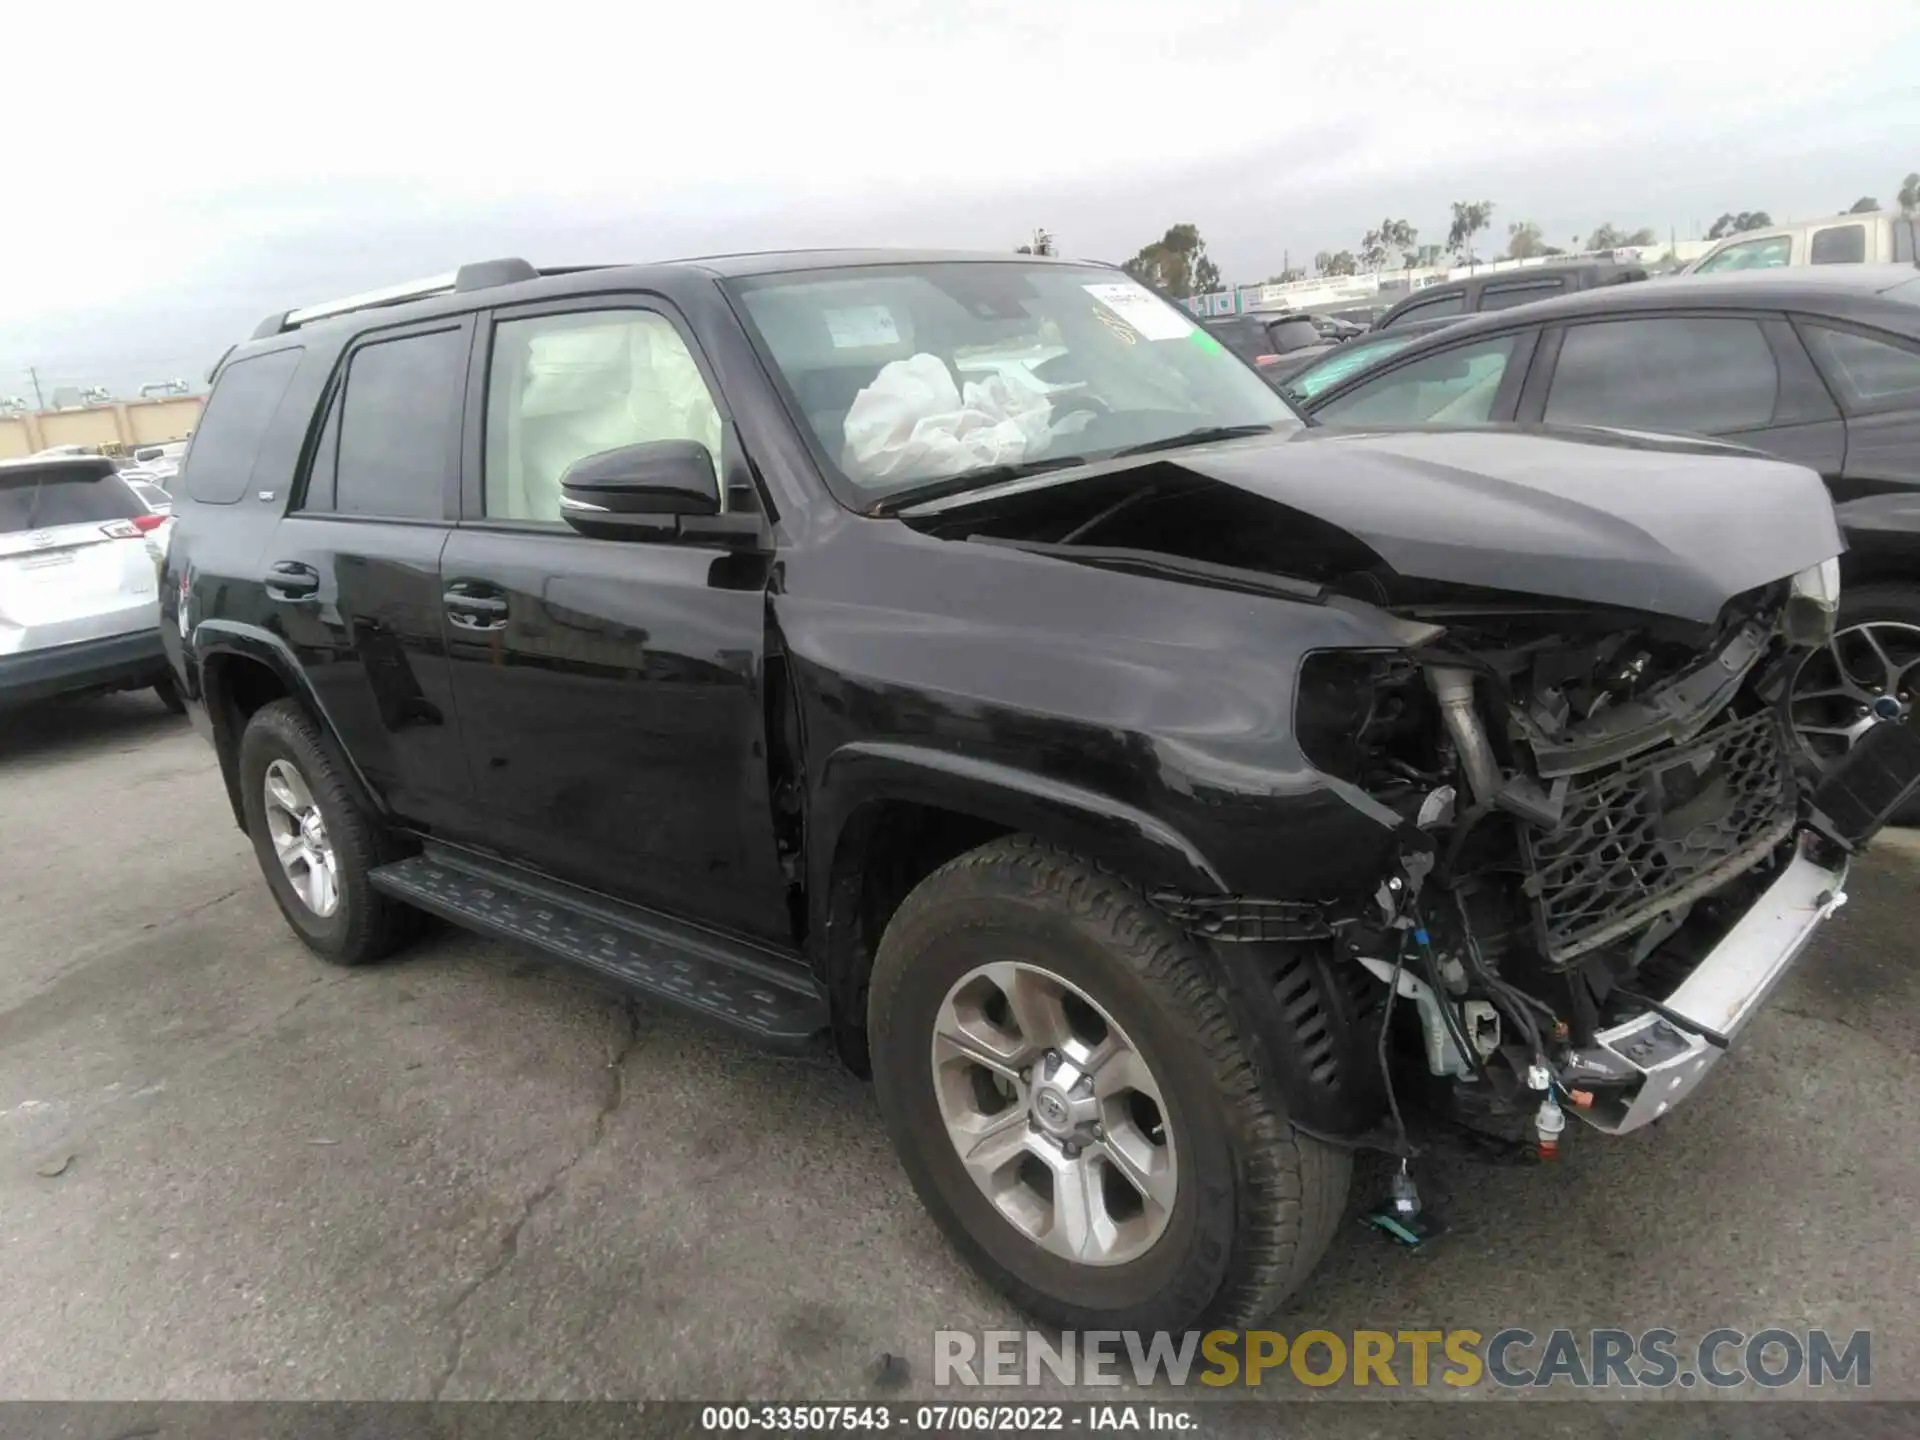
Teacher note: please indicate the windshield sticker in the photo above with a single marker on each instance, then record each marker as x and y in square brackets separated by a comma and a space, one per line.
[861, 327]
[1142, 309]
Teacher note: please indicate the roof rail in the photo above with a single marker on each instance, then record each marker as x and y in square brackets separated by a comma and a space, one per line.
[480, 275]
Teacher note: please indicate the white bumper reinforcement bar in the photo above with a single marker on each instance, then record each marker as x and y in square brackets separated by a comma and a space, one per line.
[1724, 991]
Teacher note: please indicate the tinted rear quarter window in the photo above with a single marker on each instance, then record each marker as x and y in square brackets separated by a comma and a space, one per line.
[1246, 337]
[41, 500]
[1505, 297]
[1452, 304]
[1681, 375]
[397, 440]
[1869, 371]
[1839, 245]
[1292, 334]
[245, 398]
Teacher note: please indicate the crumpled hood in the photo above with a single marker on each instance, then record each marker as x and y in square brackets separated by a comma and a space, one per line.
[1672, 526]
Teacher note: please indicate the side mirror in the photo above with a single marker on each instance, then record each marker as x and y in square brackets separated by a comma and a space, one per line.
[663, 490]
[660, 477]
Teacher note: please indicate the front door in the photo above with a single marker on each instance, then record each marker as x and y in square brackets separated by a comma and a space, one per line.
[610, 692]
[352, 574]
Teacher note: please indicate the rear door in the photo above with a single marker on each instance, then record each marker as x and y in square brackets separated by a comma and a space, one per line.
[1877, 377]
[1743, 378]
[73, 563]
[610, 692]
[352, 574]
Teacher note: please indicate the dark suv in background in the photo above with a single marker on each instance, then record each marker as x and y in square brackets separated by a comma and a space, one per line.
[967, 660]
[1504, 289]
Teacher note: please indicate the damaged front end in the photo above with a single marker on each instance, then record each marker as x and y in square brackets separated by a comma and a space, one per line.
[1561, 697]
[1611, 851]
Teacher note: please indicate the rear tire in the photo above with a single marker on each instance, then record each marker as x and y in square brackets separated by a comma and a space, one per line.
[1253, 1204]
[351, 923]
[169, 694]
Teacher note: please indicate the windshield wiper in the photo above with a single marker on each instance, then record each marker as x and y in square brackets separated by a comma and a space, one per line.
[1195, 437]
[971, 480]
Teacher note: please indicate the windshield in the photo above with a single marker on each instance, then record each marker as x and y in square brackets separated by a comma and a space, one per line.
[911, 375]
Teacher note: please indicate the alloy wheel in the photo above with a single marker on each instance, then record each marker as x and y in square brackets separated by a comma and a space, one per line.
[1055, 1113]
[299, 836]
[1863, 677]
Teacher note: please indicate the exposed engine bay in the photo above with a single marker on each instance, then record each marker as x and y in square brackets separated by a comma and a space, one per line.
[1590, 799]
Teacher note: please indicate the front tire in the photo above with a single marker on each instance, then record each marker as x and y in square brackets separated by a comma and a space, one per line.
[1125, 1168]
[315, 844]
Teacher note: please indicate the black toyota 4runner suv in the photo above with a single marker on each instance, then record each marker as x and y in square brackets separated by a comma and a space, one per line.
[965, 659]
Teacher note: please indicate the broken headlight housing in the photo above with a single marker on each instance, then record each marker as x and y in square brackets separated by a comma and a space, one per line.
[1813, 598]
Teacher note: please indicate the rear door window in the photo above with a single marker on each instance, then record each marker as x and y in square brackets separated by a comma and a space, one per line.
[44, 499]
[245, 397]
[397, 445]
[1839, 245]
[1680, 375]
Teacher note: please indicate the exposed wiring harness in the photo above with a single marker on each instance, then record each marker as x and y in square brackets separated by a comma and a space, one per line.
[1386, 1070]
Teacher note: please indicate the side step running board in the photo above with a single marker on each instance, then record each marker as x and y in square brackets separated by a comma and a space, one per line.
[697, 970]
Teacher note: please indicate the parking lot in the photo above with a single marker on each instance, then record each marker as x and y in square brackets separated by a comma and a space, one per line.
[228, 1171]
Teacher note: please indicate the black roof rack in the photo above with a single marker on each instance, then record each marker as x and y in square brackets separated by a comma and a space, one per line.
[480, 275]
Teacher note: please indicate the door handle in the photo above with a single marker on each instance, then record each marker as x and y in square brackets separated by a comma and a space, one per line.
[470, 611]
[291, 581]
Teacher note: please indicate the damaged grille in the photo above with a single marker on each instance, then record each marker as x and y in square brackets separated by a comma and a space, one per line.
[1642, 838]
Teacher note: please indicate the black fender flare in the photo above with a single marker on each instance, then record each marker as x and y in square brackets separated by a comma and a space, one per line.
[1110, 831]
[216, 638]
[858, 777]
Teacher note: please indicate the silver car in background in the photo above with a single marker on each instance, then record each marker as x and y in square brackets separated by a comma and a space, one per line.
[78, 591]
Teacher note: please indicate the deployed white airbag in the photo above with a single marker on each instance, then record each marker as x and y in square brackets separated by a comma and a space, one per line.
[913, 422]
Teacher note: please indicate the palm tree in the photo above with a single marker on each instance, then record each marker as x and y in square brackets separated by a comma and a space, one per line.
[1909, 196]
[1470, 217]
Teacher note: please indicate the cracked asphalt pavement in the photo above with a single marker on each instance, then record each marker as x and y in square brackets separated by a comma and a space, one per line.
[227, 1171]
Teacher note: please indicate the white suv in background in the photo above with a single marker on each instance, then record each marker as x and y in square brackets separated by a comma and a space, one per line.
[78, 598]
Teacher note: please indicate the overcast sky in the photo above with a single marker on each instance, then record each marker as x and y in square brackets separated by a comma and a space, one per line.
[225, 160]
